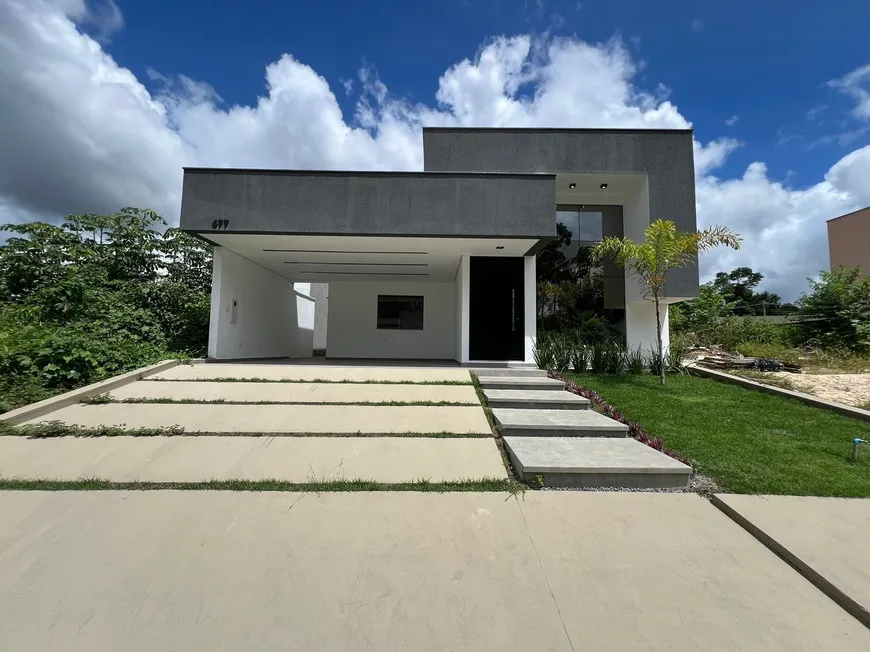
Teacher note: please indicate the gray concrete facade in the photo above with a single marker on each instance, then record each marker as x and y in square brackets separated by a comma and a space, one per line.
[666, 157]
[368, 203]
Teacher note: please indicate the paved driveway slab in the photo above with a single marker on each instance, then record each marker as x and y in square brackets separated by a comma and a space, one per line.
[324, 419]
[332, 373]
[397, 571]
[292, 459]
[643, 571]
[297, 392]
[221, 571]
[828, 536]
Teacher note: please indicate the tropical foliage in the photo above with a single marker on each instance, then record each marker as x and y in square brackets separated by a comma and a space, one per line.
[95, 296]
[664, 248]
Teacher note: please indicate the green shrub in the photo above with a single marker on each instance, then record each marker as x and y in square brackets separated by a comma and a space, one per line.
[838, 310]
[734, 331]
[635, 361]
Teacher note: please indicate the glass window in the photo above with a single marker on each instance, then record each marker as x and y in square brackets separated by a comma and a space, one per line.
[400, 312]
[585, 226]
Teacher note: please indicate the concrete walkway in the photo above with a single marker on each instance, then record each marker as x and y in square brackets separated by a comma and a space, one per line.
[292, 459]
[333, 373]
[829, 536]
[297, 392]
[324, 419]
[82, 571]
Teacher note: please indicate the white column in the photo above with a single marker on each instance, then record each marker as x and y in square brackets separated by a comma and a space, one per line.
[640, 326]
[215, 311]
[530, 307]
[462, 285]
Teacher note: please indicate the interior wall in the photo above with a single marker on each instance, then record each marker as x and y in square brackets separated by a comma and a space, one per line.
[270, 319]
[353, 318]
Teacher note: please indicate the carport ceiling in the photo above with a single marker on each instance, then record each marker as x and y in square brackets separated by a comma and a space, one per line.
[321, 259]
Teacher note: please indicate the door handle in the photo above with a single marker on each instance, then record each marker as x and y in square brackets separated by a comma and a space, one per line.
[513, 310]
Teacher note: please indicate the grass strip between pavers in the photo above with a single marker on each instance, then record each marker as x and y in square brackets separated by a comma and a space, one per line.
[99, 400]
[317, 381]
[54, 429]
[423, 486]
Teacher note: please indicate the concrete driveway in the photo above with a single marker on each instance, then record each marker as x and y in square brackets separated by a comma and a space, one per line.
[398, 571]
[384, 425]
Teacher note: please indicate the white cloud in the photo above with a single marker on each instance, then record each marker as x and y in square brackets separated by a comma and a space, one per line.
[83, 134]
[732, 120]
[857, 85]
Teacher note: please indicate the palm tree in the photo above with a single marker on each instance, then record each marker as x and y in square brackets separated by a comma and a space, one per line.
[663, 249]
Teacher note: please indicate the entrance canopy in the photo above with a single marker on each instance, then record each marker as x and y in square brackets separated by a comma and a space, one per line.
[323, 259]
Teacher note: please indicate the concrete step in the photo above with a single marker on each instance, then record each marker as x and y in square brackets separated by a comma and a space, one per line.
[557, 423]
[595, 462]
[510, 372]
[542, 399]
[531, 383]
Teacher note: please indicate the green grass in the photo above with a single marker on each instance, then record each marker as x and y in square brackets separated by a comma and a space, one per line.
[319, 381]
[484, 403]
[425, 486]
[52, 429]
[747, 441]
[104, 399]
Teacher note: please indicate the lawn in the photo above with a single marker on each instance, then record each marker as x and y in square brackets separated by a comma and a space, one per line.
[748, 442]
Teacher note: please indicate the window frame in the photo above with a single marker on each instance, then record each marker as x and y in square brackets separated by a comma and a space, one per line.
[399, 299]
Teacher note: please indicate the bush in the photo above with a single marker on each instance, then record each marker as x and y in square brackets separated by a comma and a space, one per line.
[837, 311]
[734, 331]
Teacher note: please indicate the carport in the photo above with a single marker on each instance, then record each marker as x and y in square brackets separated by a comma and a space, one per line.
[401, 266]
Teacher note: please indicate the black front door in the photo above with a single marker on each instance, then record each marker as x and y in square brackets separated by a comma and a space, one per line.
[496, 326]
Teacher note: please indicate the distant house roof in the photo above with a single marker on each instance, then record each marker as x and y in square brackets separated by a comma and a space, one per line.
[860, 210]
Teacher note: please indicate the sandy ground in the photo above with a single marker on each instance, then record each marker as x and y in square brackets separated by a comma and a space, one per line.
[851, 389]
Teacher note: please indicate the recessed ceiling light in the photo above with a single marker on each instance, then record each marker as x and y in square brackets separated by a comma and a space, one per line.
[603, 186]
[500, 247]
[572, 185]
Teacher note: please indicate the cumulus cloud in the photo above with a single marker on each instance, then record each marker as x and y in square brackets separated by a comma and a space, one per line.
[81, 133]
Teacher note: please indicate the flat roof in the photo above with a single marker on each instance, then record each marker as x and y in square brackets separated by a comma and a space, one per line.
[860, 210]
[374, 173]
[547, 130]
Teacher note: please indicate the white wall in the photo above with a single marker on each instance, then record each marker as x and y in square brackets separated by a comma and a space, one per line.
[461, 309]
[272, 319]
[640, 326]
[353, 319]
[530, 307]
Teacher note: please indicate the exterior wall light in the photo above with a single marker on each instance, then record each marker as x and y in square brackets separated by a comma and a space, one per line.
[603, 186]
[572, 185]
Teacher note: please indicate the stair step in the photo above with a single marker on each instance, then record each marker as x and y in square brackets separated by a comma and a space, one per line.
[623, 463]
[510, 372]
[511, 382]
[557, 423]
[542, 399]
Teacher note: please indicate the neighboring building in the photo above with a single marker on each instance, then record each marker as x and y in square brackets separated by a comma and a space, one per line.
[438, 264]
[849, 240]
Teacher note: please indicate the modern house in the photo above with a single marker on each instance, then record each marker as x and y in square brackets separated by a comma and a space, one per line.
[849, 240]
[438, 264]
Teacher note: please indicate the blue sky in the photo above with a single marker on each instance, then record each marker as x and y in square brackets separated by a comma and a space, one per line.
[765, 61]
[110, 98]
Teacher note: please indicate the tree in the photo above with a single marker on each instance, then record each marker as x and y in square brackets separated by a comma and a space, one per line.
[663, 249]
[836, 313]
[737, 287]
[702, 315]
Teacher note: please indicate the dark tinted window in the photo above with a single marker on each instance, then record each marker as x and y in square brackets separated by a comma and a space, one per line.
[400, 313]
